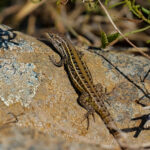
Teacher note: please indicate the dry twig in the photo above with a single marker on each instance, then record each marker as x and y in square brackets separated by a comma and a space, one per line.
[109, 17]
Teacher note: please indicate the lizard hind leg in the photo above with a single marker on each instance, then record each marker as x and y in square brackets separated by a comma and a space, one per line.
[84, 100]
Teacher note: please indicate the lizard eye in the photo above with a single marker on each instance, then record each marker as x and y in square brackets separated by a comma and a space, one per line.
[51, 35]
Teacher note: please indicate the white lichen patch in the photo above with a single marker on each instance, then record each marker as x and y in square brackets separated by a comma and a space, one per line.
[18, 82]
[25, 46]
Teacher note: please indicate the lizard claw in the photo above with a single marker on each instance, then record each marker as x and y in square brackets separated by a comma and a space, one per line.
[86, 116]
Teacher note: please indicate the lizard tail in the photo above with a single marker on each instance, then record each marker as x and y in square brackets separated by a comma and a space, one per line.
[112, 127]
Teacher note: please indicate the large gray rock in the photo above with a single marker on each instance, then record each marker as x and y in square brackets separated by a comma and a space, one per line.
[42, 98]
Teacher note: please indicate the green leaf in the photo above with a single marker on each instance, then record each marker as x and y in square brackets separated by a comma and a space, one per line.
[148, 41]
[104, 39]
[146, 11]
[112, 37]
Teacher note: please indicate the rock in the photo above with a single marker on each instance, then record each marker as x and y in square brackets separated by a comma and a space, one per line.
[43, 100]
[16, 138]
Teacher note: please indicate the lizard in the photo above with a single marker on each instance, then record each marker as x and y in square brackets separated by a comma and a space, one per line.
[91, 96]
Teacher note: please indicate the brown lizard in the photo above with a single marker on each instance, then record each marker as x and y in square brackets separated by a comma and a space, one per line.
[92, 96]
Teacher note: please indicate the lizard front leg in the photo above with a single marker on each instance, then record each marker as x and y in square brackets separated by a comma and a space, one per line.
[84, 100]
[59, 63]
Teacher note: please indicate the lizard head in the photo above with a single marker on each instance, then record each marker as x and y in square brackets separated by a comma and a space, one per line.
[58, 42]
